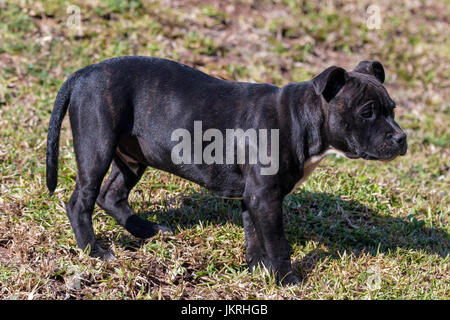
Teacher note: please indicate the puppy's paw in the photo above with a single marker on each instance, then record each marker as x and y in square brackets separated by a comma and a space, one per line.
[99, 252]
[141, 228]
[164, 230]
[289, 279]
[284, 275]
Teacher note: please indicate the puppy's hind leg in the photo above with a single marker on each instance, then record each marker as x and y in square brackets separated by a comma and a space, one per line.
[113, 199]
[93, 161]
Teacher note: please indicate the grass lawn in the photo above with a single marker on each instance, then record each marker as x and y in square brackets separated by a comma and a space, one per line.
[358, 229]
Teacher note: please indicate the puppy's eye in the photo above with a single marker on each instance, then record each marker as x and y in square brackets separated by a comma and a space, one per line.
[367, 114]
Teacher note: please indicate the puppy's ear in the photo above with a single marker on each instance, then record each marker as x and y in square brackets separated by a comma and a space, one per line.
[374, 68]
[329, 82]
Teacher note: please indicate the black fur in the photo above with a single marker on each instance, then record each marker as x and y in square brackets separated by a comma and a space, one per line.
[123, 111]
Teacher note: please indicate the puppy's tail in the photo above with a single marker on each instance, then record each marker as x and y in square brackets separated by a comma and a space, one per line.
[54, 128]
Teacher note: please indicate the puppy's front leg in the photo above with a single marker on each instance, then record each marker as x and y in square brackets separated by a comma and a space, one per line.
[267, 244]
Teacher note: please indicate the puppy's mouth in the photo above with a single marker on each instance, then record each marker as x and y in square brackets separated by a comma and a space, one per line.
[371, 156]
[403, 149]
[390, 153]
[352, 155]
[387, 159]
[366, 156]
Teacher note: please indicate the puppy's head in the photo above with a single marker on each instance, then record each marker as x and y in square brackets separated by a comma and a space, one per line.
[360, 113]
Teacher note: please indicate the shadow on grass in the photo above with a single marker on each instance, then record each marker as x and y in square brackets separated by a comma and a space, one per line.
[337, 225]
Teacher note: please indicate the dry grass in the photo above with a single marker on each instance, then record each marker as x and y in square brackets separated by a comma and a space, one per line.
[359, 230]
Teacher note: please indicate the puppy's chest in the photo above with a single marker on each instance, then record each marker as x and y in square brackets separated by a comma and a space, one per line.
[312, 163]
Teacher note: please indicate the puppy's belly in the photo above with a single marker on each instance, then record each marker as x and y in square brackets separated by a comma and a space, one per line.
[313, 162]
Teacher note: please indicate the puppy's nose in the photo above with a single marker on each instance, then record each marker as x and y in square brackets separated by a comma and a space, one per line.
[399, 138]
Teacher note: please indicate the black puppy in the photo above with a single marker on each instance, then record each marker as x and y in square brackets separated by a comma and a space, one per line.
[129, 111]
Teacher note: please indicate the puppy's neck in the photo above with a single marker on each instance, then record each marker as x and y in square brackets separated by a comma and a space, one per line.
[308, 117]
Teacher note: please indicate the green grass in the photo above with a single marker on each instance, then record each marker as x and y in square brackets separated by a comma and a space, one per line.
[358, 230]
